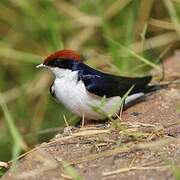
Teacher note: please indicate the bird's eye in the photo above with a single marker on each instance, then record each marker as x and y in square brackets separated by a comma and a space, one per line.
[55, 63]
[59, 63]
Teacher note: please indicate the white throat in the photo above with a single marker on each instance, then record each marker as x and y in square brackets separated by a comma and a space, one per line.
[60, 72]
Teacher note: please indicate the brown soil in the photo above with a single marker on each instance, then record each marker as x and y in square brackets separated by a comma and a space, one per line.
[145, 144]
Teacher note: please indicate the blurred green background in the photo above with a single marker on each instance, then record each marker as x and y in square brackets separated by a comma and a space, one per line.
[97, 29]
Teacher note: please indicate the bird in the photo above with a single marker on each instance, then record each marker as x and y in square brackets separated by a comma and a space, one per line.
[90, 93]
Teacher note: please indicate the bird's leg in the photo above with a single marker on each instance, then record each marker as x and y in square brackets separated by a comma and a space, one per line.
[78, 124]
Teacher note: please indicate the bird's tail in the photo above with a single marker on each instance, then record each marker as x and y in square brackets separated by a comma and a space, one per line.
[147, 91]
[156, 87]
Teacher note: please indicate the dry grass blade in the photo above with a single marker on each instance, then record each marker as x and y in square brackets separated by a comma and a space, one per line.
[77, 41]
[79, 134]
[172, 124]
[12, 94]
[115, 7]
[65, 176]
[155, 42]
[41, 82]
[128, 148]
[126, 169]
[90, 20]
[108, 153]
[144, 13]
[3, 164]
[18, 55]
[173, 14]
[161, 24]
[177, 1]
[81, 17]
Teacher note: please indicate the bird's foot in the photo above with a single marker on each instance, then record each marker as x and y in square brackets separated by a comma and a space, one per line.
[68, 130]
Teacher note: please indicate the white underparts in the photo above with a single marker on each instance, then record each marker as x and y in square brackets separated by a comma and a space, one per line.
[73, 94]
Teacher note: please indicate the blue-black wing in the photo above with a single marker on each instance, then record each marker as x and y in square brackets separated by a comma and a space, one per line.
[103, 84]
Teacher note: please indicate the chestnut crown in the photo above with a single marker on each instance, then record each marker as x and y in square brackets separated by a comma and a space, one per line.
[62, 55]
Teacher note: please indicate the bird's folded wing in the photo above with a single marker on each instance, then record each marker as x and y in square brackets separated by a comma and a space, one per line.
[110, 85]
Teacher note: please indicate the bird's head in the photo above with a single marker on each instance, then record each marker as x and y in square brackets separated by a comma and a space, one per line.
[60, 61]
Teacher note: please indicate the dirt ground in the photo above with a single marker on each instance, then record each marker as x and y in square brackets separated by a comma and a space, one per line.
[143, 144]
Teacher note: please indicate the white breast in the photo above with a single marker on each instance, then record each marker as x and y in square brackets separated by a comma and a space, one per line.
[73, 94]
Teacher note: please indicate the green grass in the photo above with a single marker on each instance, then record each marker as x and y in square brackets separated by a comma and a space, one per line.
[17, 138]
[30, 30]
[71, 172]
[173, 166]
